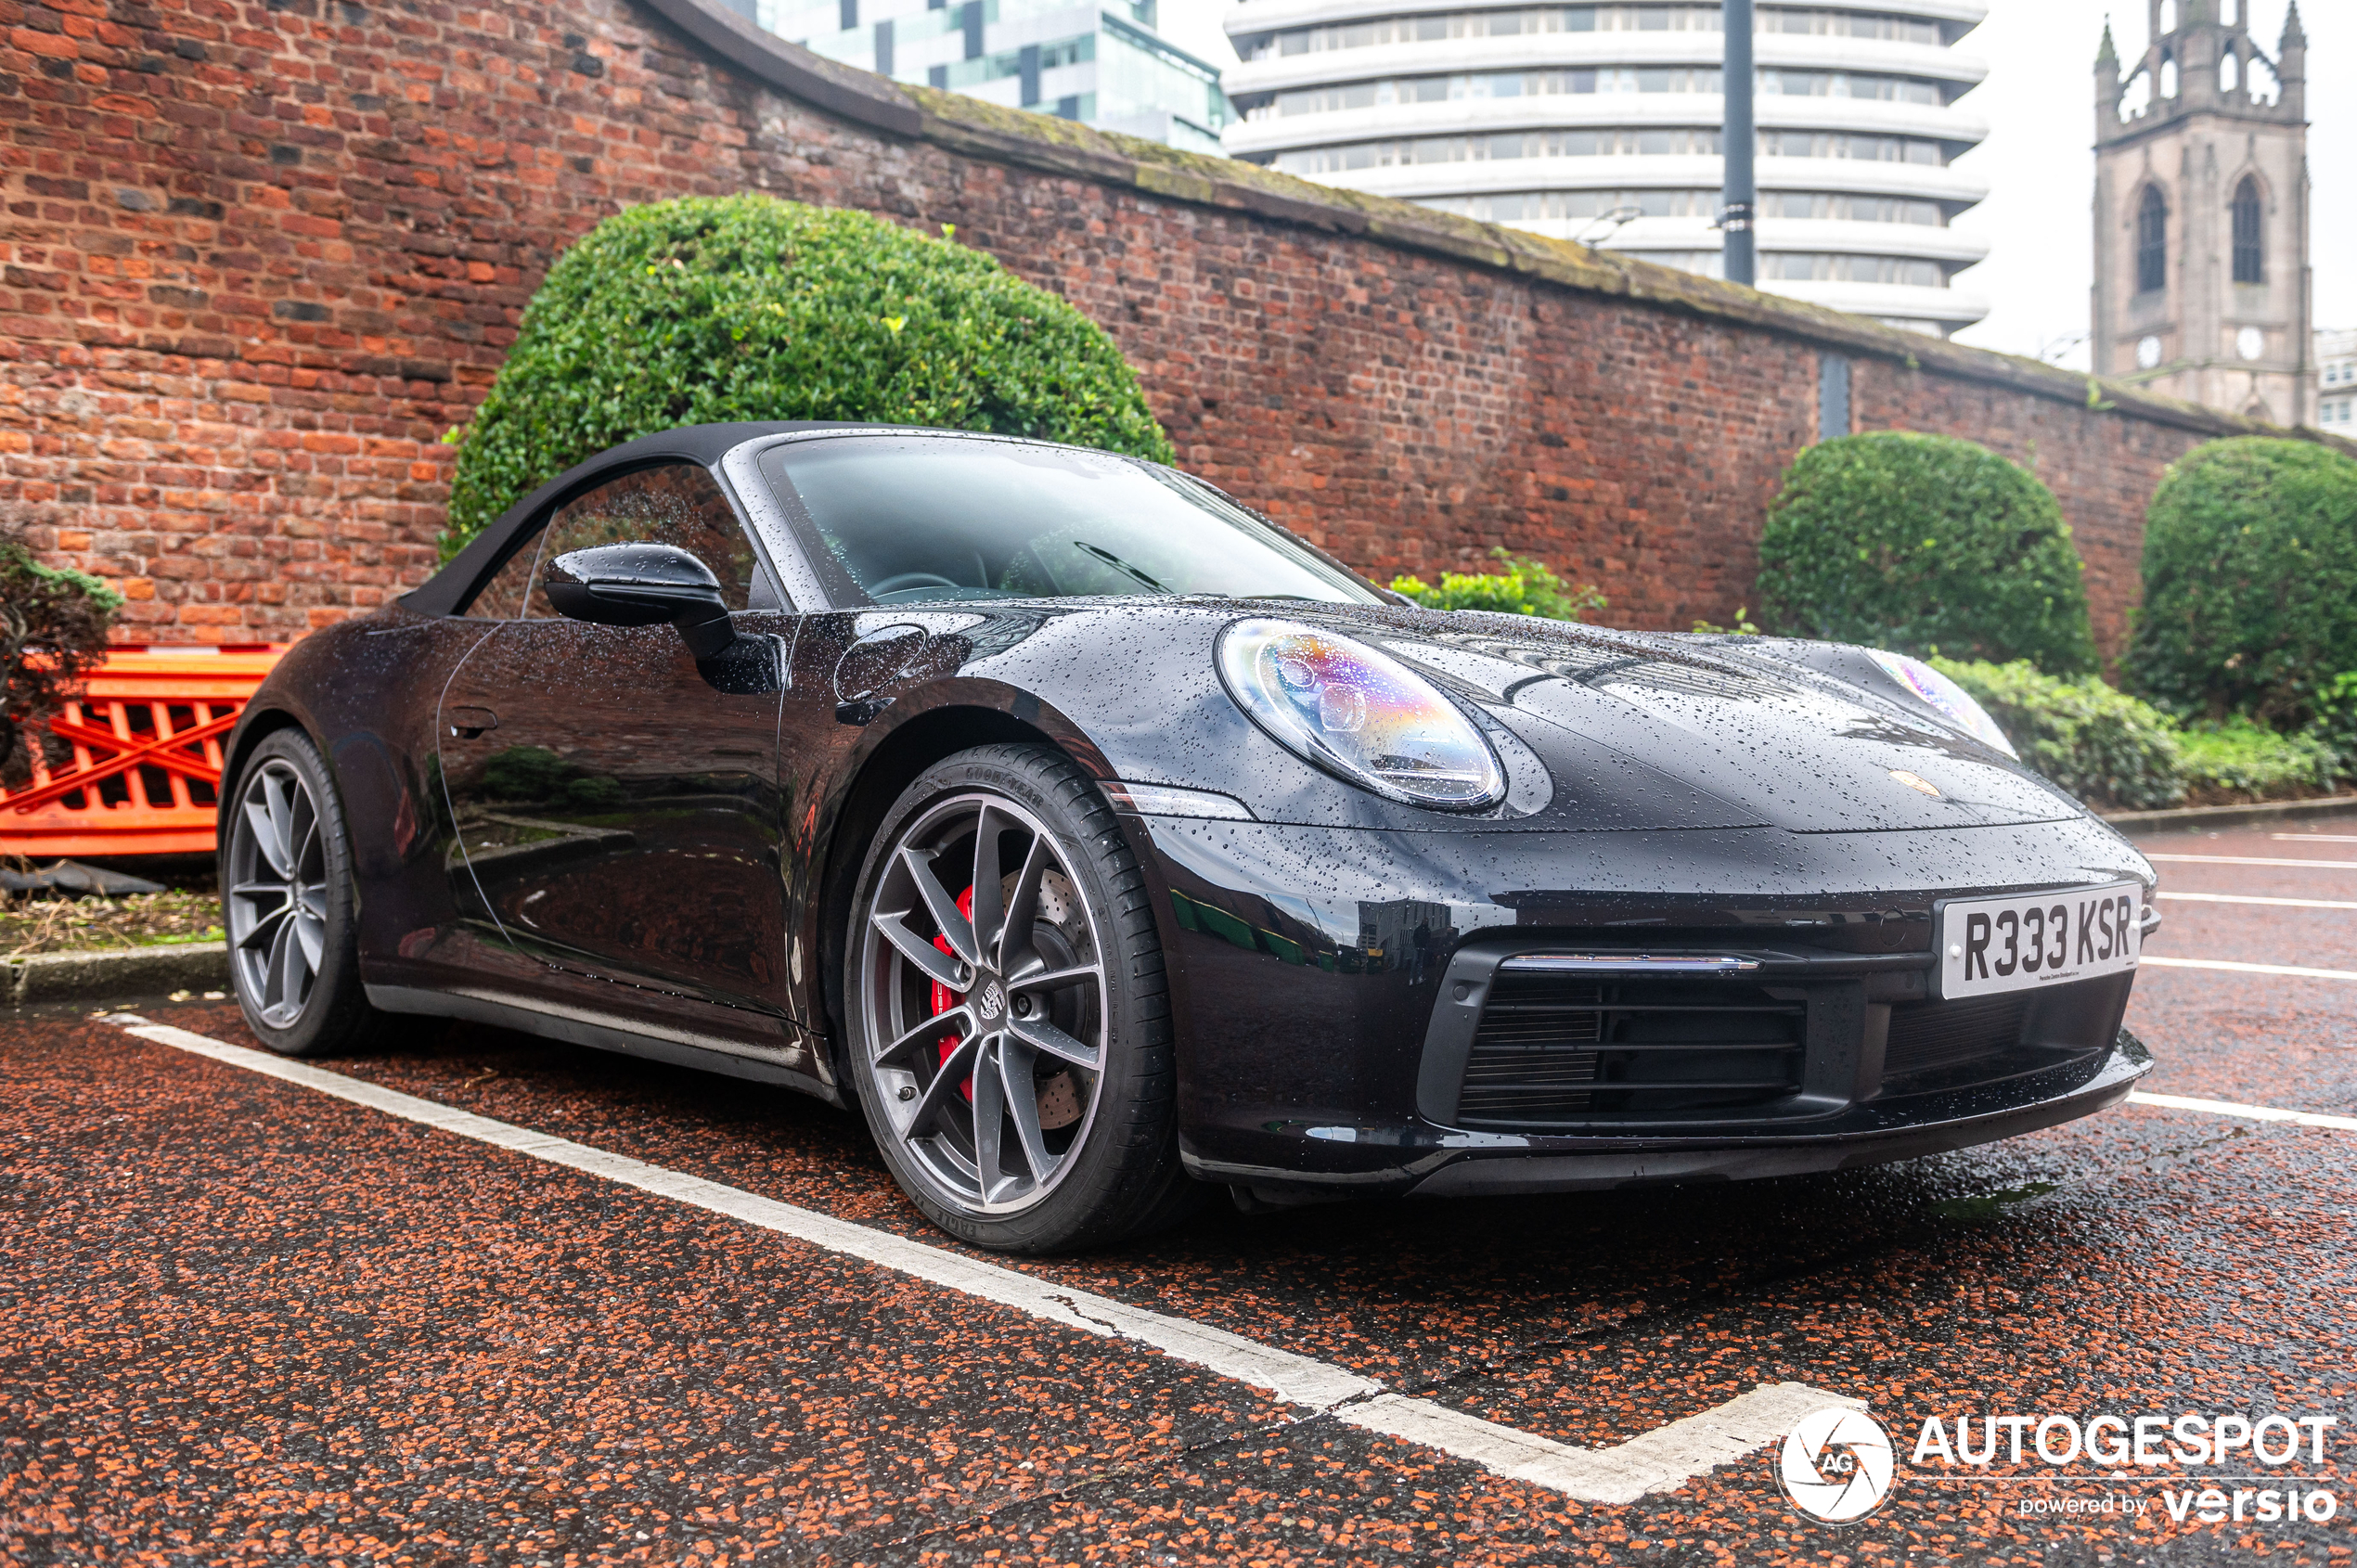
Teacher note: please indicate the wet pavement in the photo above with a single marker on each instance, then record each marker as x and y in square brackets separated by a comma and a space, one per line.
[243, 1322]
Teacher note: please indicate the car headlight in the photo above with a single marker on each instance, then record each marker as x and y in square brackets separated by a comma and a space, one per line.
[1953, 701]
[1359, 712]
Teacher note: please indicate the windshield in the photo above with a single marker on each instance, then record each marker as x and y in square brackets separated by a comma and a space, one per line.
[902, 519]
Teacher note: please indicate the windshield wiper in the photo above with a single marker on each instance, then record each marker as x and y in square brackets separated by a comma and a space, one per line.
[1118, 565]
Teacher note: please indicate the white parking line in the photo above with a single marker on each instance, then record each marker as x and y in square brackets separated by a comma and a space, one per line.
[2231, 966]
[2252, 860]
[2315, 838]
[2255, 898]
[2248, 1112]
[1658, 1461]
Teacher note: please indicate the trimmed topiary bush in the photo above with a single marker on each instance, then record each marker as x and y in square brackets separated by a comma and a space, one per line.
[2251, 582]
[2103, 746]
[746, 307]
[1917, 543]
[1524, 587]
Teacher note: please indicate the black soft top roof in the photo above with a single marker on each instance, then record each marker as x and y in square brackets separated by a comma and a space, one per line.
[451, 586]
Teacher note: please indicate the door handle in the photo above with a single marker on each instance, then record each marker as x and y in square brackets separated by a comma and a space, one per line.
[467, 724]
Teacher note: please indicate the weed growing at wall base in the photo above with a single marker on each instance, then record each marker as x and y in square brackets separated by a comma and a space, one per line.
[1524, 588]
[53, 628]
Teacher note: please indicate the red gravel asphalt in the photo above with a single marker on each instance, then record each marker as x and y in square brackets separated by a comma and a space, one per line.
[243, 1322]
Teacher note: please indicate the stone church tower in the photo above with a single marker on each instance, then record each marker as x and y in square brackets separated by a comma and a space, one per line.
[2201, 213]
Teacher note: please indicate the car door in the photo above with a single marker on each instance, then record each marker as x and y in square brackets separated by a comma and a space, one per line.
[620, 813]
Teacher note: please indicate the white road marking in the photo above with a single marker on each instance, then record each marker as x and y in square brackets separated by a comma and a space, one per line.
[2231, 966]
[2254, 898]
[2248, 1112]
[1659, 1461]
[2316, 838]
[2252, 860]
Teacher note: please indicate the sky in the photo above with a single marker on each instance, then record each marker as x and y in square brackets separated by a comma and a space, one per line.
[2039, 102]
[1193, 25]
[2038, 160]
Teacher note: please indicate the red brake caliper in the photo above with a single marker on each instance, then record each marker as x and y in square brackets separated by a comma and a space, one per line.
[944, 998]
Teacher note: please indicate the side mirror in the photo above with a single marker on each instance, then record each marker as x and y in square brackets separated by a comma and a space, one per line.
[641, 586]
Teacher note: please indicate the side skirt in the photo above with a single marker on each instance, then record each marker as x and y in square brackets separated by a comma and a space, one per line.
[574, 1028]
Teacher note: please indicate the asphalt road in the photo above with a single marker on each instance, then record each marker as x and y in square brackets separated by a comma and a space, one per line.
[245, 1321]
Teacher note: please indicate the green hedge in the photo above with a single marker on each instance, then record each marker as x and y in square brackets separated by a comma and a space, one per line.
[1524, 588]
[2251, 582]
[2101, 745]
[53, 628]
[1923, 543]
[2115, 751]
[2242, 761]
[2335, 722]
[746, 307]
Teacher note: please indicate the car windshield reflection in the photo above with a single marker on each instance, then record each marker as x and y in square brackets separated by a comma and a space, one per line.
[894, 519]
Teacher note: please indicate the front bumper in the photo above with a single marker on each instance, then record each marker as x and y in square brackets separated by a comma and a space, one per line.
[1329, 984]
[1934, 1130]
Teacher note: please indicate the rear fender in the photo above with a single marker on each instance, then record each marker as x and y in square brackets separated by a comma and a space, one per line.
[365, 692]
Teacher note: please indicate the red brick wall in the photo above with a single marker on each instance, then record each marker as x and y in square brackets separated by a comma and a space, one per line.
[260, 256]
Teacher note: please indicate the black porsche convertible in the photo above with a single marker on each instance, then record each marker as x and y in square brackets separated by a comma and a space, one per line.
[1108, 845]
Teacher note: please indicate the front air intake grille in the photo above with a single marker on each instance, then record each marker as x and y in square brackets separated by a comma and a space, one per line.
[1941, 1046]
[1552, 1048]
[1930, 1040]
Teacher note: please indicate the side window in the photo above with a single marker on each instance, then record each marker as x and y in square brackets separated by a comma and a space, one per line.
[502, 598]
[670, 504]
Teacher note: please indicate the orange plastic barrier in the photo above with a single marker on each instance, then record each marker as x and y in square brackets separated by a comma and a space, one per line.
[147, 734]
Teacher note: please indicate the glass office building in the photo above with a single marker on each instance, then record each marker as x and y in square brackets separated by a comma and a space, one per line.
[1103, 65]
[1601, 123]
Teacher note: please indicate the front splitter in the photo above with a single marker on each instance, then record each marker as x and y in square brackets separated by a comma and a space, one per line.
[1494, 1176]
[1431, 1168]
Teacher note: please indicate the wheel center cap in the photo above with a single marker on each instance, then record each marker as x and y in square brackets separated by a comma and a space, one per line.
[991, 1002]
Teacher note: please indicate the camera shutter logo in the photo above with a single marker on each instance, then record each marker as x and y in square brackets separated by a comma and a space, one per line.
[1835, 1466]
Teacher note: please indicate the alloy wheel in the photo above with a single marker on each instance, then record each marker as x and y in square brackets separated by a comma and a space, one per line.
[983, 984]
[278, 902]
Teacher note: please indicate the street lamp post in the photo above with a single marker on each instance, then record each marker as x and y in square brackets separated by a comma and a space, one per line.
[1740, 140]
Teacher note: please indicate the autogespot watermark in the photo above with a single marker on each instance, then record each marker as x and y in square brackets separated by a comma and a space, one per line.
[1838, 1465]
[1835, 1465]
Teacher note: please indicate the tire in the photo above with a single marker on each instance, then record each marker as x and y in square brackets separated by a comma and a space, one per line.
[1041, 1116]
[291, 907]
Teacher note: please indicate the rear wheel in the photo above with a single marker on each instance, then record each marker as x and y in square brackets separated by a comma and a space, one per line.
[289, 905]
[1010, 1029]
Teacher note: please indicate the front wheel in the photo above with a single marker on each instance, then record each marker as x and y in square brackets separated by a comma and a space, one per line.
[290, 907]
[1008, 1025]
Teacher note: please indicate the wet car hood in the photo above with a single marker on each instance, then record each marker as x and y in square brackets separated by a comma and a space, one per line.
[1658, 730]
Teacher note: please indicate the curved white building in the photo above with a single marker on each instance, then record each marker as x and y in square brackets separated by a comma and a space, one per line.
[1602, 123]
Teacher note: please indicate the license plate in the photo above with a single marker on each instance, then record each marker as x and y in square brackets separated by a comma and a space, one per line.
[1988, 945]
